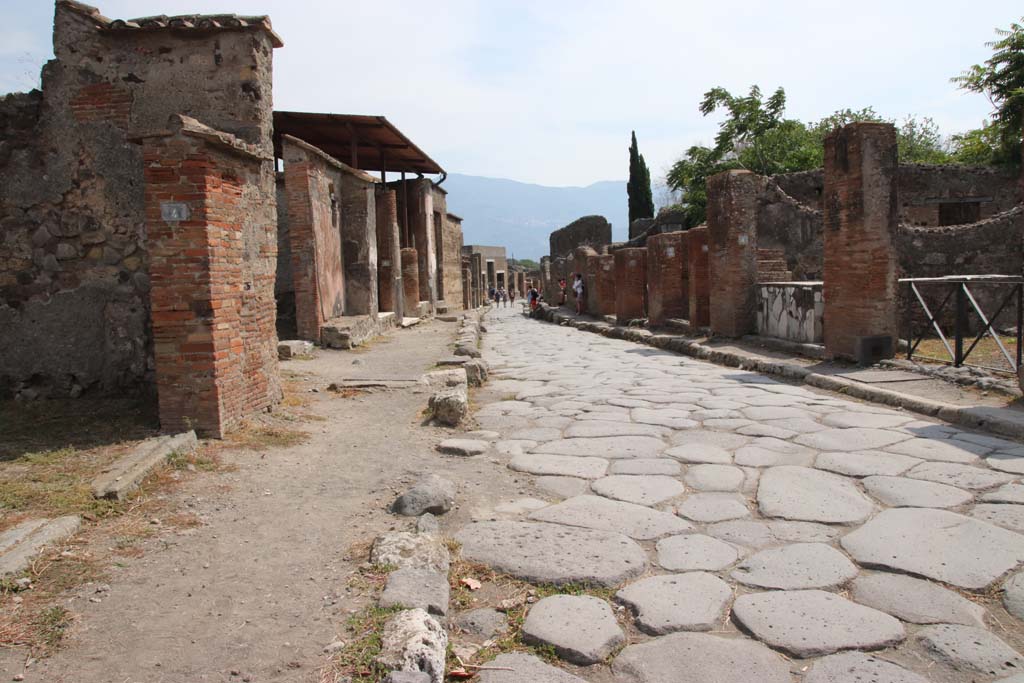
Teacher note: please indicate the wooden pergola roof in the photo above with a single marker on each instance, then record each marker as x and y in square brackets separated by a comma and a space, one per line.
[369, 143]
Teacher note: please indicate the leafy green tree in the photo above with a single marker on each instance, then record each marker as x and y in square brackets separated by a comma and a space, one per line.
[978, 147]
[1001, 80]
[748, 126]
[528, 264]
[689, 175]
[641, 199]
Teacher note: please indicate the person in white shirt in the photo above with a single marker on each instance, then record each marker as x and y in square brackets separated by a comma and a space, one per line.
[580, 290]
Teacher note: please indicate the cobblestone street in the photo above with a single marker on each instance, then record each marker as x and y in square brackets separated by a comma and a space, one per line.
[751, 530]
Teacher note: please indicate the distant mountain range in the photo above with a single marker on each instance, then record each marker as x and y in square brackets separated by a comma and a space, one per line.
[520, 216]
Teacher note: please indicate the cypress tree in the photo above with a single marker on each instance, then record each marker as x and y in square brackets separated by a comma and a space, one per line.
[641, 200]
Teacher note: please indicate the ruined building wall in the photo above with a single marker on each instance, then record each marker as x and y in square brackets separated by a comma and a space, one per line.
[785, 224]
[312, 186]
[284, 287]
[74, 286]
[451, 265]
[593, 231]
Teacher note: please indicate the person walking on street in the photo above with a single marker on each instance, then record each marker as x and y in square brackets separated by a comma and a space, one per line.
[581, 292]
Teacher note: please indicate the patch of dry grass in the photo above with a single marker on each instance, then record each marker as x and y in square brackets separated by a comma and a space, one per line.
[260, 436]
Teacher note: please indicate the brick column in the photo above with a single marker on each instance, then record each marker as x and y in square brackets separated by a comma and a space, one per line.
[212, 250]
[700, 279]
[666, 274]
[732, 241]
[411, 282]
[389, 254]
[861, 216]
[604, 285]
[421, 215]
[585, 262]
[631, 284]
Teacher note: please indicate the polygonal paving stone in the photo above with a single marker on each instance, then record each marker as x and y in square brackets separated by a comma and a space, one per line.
[1005, 515]
[762, 429]
[562, 487]
[559, 465]
[594, 512]
[1008, 493]
[854, 439]
[813, 623]
[700, 453]
[674, 419]
[604, 428]
[800, 493]
[552, 553]
[939, 544]
[605, 447]
[536, 434]
[715, 477]
[963, 476]
[970, 649]
[695, 552]
[762, 534]
[941, 450]
[463, 446]
[695, 601]
[796, 566]
[639, 489]
[865, 463]
[761, 413]
[700, 658]
[857, 667]
[581, 628]
[645, 466]
[514, 446]
[516, 667]
[848, 419]
[902, 492]
[1006, 462]
[411, 588]
[759, 456]
[713, 507]
[915, 600]
[483, 623]
[706, 437]
[1013, 595]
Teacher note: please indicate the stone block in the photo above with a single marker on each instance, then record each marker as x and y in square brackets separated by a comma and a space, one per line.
[294, 348]
[125, 474]
[449, 406]
[20, 545]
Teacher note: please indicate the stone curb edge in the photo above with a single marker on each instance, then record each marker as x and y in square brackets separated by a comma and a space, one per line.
[975, 417]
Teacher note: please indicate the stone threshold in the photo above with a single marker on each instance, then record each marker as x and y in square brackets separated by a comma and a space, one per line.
[984, 418]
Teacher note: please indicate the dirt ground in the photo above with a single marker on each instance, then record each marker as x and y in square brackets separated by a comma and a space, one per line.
[270, 571]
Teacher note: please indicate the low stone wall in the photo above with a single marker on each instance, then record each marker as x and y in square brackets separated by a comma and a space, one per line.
[793, 311]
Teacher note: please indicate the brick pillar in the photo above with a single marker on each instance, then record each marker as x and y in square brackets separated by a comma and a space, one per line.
[359, 245]
[467, 288]
[732, 241]
[421, 215]
[584, 261]
[666, 296]
[604, 285]
[700, 280]
[389, 253]
[212, 249]
[411, 282]
[631, 284]
[861, 217]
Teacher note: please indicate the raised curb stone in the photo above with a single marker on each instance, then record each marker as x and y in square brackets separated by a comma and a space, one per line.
[857, 667]
[19, 545]
[915, 600]
[700, 658]
[411, 588]
[804, 494]
[796, 566]
[968, 648]
[464, 447]
[812, 623]
[431, 494]
[125, 474]
[406, 550]
[552, 553]
[938, 544]
[413, 641]
[581, 628]
[695, 601]
[594, 512]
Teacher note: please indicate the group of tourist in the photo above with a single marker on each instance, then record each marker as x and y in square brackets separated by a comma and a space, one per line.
[502, 297]
[578, 287]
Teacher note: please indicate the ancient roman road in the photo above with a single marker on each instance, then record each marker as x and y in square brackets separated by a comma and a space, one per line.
[752, 530]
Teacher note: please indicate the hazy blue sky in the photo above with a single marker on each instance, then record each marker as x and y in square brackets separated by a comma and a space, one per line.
[547, 92]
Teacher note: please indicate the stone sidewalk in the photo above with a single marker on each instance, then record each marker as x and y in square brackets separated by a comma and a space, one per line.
[752, 530]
